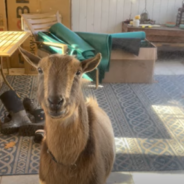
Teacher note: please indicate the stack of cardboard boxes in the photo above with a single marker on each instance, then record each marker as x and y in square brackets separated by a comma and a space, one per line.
[3, 24]
[10, 19]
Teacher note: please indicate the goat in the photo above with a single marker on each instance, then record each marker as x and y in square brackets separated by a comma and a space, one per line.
[78, 147]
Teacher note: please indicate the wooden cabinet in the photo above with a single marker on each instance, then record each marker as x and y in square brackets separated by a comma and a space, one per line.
[169, 38]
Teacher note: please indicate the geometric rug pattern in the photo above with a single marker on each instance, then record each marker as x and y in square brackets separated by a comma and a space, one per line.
[148, 123]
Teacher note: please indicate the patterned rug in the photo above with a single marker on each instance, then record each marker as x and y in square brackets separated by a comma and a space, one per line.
[148, 122]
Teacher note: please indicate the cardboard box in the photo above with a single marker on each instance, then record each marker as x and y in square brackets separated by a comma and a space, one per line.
[14, 10]
[16, 7]
[29, 69]
[32, 47]
[63, 6]
[3, 27]
[16, 60]
[3, 20]
[129, 68]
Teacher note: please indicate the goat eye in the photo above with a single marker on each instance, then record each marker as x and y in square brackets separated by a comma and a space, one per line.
[78, 72]
[40, 70]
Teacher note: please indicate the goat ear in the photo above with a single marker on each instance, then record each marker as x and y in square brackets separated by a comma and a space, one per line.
[90, 64]
[29, 57]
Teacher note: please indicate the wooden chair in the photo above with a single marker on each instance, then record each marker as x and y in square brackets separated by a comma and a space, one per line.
[35, 23]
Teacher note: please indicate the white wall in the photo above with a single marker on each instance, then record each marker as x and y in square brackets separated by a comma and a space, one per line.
[106, 16]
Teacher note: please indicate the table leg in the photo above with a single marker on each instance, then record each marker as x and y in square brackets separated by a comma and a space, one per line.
[8, 65]
[4, 78]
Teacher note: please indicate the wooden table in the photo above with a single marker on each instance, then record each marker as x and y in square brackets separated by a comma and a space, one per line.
[9, 43]
[170, 38]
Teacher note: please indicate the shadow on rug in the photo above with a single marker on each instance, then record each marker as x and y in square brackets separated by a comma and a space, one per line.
[148, 122]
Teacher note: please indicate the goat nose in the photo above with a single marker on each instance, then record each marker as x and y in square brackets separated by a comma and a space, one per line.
[56, 100]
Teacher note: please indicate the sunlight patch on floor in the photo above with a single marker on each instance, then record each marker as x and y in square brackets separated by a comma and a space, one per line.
[154, 146]
[162, 110]
[173, 119]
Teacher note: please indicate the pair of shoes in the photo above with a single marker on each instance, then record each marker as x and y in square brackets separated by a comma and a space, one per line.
[18, 119]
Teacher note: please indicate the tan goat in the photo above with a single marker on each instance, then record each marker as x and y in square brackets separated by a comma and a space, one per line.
[79, 144]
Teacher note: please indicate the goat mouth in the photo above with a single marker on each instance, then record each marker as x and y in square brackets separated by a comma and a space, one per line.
[56, 115]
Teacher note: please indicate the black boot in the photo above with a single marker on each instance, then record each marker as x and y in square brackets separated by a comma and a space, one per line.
[17, 115]
[29, 105]
[36, 116]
